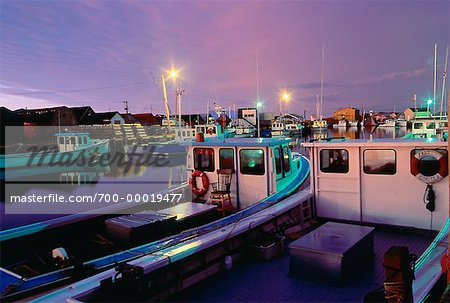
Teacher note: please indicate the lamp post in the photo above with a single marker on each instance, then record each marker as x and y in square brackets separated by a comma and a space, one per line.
[258, 106]
[284, 96]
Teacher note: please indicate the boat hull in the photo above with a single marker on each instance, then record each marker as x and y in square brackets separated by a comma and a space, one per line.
[58, 158]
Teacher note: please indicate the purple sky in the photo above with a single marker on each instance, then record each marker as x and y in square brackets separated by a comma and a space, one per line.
[378, 54]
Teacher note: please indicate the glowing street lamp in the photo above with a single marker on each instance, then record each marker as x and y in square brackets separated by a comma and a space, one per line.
[259, 104]
[429, 102]
[286, 97]
[175, 75]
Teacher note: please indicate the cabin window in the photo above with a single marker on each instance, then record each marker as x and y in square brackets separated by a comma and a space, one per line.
[226, 158]
[418, 126]
[334, 161]
[79, 139]
[380, 162]
[430, 125]
[61, 140]
[286, 162]
[277, 160]
[252, 161]
[204, 159]
[85, 140]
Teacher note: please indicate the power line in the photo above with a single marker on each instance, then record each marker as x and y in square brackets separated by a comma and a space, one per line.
[79, 90]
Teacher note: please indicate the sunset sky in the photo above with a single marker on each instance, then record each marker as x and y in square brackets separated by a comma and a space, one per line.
[378, 54]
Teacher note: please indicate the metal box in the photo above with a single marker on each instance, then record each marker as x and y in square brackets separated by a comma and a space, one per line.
[331, 253]
[140, 227]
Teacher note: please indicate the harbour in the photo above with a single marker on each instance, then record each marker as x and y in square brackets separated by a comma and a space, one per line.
[224, 152]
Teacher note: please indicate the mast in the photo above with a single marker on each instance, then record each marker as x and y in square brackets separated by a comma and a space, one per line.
[166, 104]
[444, 75]
[321, 80]
[257, 75]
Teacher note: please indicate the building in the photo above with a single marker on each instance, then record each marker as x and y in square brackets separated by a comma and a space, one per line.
[247, 117]
[147, 119]
[82, 113]
[104, 118]
[52, 116]
[347, 113]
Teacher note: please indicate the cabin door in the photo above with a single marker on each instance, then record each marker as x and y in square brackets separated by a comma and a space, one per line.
[337, 183]
[252, 175]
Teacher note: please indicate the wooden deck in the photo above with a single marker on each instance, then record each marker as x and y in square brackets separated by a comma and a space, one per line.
[259, 281]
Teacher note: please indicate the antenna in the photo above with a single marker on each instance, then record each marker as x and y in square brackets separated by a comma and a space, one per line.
[434, 79]
[126, 106]
[444, 75]
[257, 75]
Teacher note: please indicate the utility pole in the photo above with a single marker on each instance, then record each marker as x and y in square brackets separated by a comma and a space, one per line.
[126, 107]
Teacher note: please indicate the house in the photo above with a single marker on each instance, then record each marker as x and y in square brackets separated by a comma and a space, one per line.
[247, 117]
[147, 119]
[9, 118]
[104, 118]
[347, 113]
[82, 113]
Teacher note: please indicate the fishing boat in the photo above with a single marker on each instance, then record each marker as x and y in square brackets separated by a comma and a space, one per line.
[69, 147]
[400, 183]
[354, 123]
[319, 126]
[343, 123]
[278, 128]
[429, 128]
[241, 184]
[243, 131]
[387, 123]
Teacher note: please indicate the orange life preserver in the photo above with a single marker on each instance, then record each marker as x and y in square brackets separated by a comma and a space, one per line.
[443, 166]
[193, 184]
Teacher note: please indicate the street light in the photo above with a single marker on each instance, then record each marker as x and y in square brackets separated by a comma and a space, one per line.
[174, 74]
[258, 105]
[286, 97]
[429, 102]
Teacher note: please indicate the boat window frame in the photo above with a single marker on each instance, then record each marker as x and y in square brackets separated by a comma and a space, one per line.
[286, 168]
[209, 169]
[379, 173]
[260, 173]
[278, 168]
[336, 171]
[233, 161]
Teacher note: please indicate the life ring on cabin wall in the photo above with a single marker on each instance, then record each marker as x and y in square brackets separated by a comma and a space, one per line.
[193, 184]
[424, 174]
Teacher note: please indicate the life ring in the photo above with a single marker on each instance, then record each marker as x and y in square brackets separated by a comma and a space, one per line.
[193, 184]
[438, 176]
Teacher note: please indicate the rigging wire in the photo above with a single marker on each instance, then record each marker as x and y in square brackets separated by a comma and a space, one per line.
[80, 90]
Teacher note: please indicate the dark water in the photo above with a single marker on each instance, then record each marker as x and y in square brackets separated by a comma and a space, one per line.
[137, 179]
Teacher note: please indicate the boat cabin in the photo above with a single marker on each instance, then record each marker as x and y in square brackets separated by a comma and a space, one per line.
[259, 166]
[68, 142]
[386, 181]
[429, 128]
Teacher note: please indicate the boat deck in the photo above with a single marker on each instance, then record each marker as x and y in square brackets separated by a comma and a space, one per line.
[268, 281]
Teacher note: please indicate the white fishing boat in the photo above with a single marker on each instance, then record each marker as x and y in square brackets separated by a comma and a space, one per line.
[70, 146]
[246, 183]
[245, 131]
[387, 123]
[343, 123]
[354, 123]
[386, 182]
